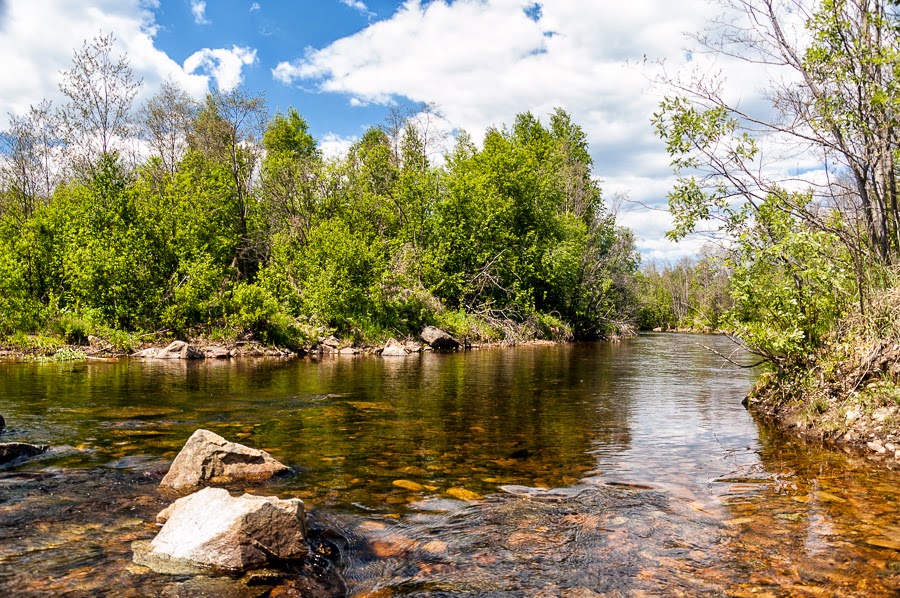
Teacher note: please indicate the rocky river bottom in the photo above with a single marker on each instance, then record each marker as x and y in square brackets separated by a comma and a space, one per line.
[625, 469]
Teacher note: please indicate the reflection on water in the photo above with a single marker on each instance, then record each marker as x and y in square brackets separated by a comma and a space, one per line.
[578, 470]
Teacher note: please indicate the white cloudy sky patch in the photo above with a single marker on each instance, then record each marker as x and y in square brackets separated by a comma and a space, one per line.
[198, 9]
[32, 63]
[225, 66]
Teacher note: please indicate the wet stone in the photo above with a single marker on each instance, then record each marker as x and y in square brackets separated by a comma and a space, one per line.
[203, 586]
[883, 543]
[463, 494]
[409, 485]
[211, 528]
[207, 457]
[11, 452]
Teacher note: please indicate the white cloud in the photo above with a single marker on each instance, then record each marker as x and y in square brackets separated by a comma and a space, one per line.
[334, 146]
[357, 5]
[225, 66]
[483, 61]
[198, 9]
[255, 7]
[33, 62]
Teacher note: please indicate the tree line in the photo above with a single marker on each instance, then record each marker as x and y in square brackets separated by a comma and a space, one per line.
[691, 294]
[215, 219]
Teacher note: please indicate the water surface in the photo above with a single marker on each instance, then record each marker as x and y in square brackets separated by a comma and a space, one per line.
[600, 469]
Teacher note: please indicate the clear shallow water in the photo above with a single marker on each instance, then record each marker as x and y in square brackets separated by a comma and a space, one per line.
[577, 470]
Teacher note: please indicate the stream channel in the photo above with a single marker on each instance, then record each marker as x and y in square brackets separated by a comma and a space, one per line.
[607, 469]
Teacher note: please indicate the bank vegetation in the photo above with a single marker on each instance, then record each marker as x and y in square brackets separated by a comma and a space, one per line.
[217, 220]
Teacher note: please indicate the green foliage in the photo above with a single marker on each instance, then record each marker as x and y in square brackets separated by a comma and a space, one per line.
[808, 257]
[287, 136]
[521, 230]
[240, 228]
[790, 284]
[33, 344]
[68, 354]
[73, 329]
[253, 310]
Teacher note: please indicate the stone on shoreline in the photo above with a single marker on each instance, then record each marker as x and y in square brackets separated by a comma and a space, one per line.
[216, 352]
[207, 457]
[414, 346]
[876, 447]
[174, 350]
[13, 451]
[211, 528]
[438, 339]
[394, 349]
[331, 342]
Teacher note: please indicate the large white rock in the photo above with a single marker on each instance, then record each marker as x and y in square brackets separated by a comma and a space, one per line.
[211, 528]
[207, 457]
[394, 349]
[175, 350]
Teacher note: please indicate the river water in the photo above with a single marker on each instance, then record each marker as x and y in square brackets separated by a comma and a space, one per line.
[618, 469]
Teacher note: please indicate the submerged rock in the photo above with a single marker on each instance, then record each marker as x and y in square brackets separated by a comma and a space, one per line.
[207, 457]
[211, 528]
[394, 349]
[439, 340]
[13, 451]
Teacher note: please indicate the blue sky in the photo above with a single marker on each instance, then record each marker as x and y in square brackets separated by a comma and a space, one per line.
[278, 31]
[344, 63]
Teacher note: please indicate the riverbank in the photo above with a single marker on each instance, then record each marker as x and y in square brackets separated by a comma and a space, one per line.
[866, 421]
[52, 348]
[847, 396]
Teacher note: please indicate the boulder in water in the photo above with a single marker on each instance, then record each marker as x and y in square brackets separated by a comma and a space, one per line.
[439, 340]
[207, 457]
[2, 423]
[211, 528]
[13, 451]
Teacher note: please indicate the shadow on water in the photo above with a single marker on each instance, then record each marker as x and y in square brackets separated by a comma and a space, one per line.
[579, 470]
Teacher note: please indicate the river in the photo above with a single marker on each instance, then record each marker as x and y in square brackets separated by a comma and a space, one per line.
[608, 469]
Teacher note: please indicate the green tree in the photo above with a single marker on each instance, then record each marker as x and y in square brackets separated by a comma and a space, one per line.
[227, 132]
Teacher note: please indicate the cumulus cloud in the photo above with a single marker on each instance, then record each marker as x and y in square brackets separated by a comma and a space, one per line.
[37, 60]
[255, 7]
[198, 9]
[225, 66]
[483, 61]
